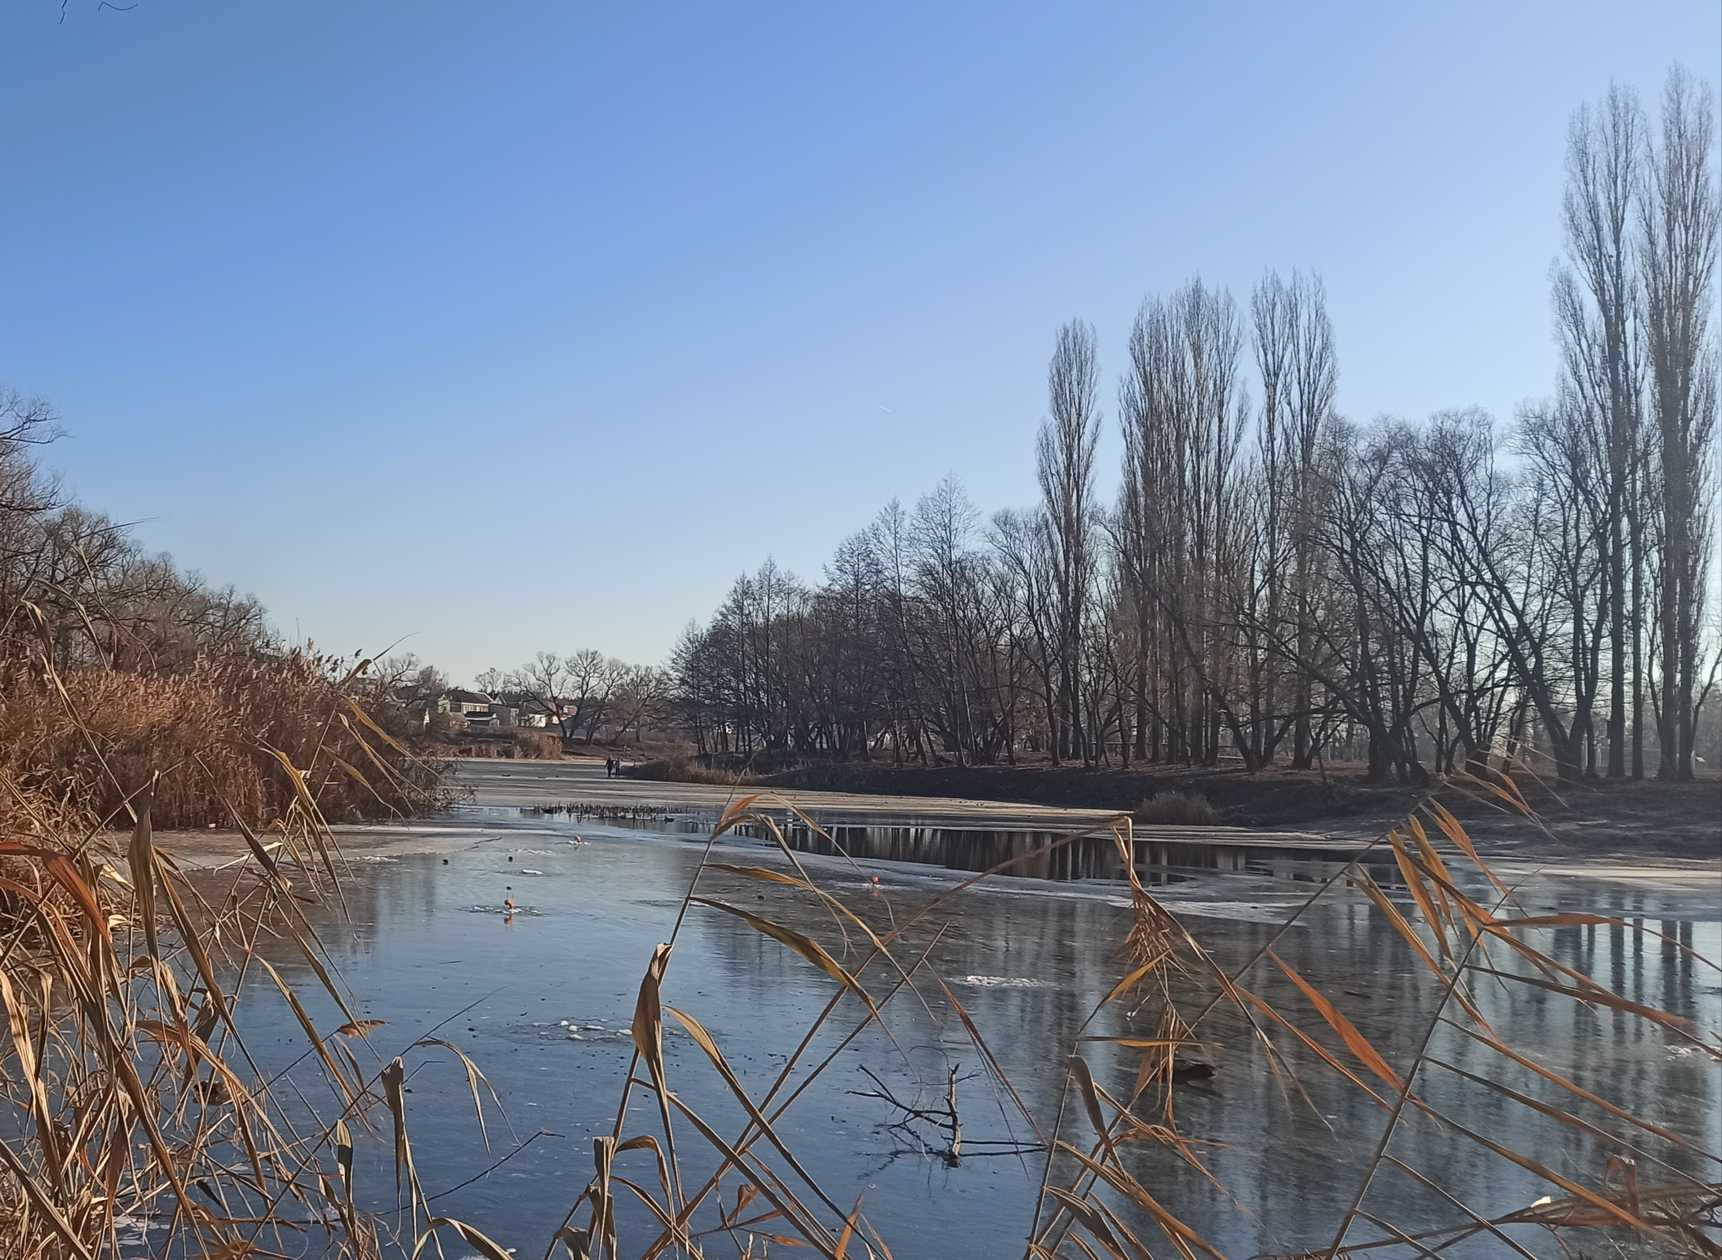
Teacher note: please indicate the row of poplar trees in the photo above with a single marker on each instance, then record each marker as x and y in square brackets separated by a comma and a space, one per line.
[1274, 584]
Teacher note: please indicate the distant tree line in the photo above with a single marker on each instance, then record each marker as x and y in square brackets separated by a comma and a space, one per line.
[584, 693]
[75, 583]
[1274, 583]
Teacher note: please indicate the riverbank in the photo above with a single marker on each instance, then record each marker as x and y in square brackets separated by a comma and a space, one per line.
[1628, 820]
[1591, 849]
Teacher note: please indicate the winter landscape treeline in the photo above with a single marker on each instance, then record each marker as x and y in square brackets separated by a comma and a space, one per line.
[1273, 583]
[1270, 583]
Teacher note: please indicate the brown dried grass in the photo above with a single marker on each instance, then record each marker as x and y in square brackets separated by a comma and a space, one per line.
[75, 736]
[689, 770]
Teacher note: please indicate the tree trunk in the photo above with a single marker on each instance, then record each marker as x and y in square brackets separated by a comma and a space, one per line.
[1636, 629]
[1667, 723]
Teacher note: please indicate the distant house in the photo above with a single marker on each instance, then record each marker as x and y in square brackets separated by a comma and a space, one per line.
[477, 710]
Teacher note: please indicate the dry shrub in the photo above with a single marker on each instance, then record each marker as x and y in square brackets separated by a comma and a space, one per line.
[452, 737]
[688, 770]
[35, 817]
[480, 749]
[36, 814]
[537, 745]
[1177, 809]
[85, 737]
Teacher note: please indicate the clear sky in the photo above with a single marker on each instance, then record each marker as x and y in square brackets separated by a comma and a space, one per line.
[512, 326]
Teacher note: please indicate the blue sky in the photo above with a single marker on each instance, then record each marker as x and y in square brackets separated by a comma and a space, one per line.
[519, 326]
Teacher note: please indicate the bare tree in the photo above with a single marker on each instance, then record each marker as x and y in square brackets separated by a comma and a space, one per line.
[545, 685]
[1065, 468]
[942, 531]
[1679, 225]
[640, 698]
[1313, 382]
[599, 685]
[1273, 317]
[1597, 309]
[1024, 575]
[409, 680]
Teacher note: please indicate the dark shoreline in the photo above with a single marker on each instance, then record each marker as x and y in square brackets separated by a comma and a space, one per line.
[1645, 817]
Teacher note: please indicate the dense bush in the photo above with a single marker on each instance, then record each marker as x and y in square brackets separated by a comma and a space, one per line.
[688, 770]
[538, 745]
[1177, 809]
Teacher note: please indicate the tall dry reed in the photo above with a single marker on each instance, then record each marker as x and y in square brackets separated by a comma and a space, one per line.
[216, 733]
